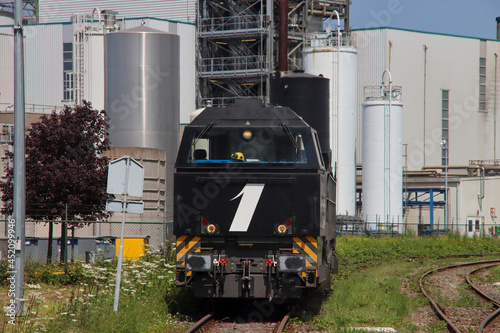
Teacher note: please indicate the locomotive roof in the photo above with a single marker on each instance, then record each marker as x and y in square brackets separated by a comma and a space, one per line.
[247, 112]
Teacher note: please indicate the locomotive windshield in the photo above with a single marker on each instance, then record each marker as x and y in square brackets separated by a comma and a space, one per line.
[249, 145]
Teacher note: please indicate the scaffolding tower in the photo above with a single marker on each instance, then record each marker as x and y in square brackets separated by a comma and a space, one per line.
[30, 9]
[237, 43]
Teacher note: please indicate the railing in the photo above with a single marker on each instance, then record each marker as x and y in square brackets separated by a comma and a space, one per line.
[485, 162]
[220, 26]
[35, 108]
[381, 92]
[333, 2]
[233, 66]
[223, 101]
[378, 226]
[323, 39]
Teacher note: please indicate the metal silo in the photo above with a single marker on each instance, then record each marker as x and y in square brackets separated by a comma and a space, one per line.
[383, 159]
[142, 93]
[321, 58]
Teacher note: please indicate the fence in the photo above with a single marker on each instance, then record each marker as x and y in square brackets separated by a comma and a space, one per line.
[100, 239]
[91, 241]
[470, 226]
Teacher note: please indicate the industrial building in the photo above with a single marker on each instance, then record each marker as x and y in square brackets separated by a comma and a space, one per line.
[450, 96]
[443, 96]
[66, 63]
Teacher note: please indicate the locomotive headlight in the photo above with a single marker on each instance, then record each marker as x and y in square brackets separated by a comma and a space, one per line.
[211, 229]
[247, 135]
[281, 229]
[284, 228]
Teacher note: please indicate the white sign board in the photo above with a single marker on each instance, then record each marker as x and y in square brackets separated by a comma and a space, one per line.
[135, 207]
[116, 206]
[118, 177]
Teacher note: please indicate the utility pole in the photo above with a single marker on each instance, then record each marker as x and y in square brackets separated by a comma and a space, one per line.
[19, 157]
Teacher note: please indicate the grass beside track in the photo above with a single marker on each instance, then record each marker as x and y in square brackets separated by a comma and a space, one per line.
[377, 286]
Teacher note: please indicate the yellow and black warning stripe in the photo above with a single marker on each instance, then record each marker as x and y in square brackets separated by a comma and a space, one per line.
[186, 245]
[307, 246]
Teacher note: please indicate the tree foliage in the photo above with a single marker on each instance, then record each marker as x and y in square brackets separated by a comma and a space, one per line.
[65, 171]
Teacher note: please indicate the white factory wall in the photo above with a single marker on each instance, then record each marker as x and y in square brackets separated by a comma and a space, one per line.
[371, 65]
[43, 60]
[60, 10]
[6, 68]
[452, 64]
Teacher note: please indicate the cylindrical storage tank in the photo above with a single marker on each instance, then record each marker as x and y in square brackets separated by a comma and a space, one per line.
[308, 96]
[6, 18]
[383, 162]
[321, 59]
[142, 93]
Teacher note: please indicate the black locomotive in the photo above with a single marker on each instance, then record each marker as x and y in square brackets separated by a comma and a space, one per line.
[254, 210]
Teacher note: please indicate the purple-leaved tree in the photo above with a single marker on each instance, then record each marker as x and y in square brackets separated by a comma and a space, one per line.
[66, 173]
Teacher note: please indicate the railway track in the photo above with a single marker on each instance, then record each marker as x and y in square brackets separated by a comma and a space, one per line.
[456, 321]
[217, 322]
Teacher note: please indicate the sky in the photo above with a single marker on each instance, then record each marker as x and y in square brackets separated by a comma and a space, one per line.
[472, 18]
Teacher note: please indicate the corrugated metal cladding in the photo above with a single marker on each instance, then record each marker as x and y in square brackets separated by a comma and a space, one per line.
[61, 10]
[44, 64]
[187, 62]
[6, 68]
[372, 61]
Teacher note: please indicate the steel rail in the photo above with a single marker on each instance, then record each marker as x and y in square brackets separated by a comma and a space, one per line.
[495, 313]
[281, 327]
[485, 322]
[478, 290]
[437, 307]
[199, 324]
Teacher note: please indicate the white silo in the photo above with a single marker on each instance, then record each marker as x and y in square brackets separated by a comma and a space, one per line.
[383, 158]
[323, 57]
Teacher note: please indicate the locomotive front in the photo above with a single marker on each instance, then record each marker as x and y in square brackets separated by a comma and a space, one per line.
[254, 209]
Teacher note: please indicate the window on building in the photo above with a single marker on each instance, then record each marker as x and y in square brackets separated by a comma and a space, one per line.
[445, 112]
[68, 91]
[482, 84]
